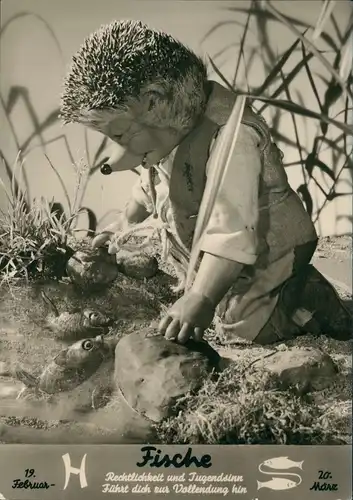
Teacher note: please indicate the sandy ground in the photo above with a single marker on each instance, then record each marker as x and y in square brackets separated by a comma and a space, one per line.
[26, 341]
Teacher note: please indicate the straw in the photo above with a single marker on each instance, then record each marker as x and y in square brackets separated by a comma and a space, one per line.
[219, 164]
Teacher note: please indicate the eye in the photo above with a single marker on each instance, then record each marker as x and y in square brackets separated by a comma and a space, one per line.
[87, 345]
[118, 137]
[93, 316]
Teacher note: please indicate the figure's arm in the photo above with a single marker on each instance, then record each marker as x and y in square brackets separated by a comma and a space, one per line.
[135, 211]
[228, 243]
[230, 240]
[215, 276]
[232, 229]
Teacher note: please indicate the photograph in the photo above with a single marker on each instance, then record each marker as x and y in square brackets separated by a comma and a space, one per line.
[176, 223]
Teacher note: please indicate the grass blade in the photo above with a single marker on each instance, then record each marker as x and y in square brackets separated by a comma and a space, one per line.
[345, 65]
[219, 73]
[214, 28]
[289, 78]
[310, 76]
[326, 12]
[40, 128]
[312, 161]
[241, 49]
[310, 47]
[87, 147]
[299, 110]
[278, 67]
[62, 183]
[265, 14]
[218, 167]
[296, 132]
[39, 18]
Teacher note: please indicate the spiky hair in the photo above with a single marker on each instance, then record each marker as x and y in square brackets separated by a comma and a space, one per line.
[123, 58]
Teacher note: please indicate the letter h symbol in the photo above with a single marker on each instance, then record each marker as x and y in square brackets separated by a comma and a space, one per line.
[72, 470]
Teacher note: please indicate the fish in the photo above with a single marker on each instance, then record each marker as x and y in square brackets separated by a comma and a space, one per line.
[92, 269]
[277, 483]
[138, 265]
[282, 463]
[76, 324]
[69, 368]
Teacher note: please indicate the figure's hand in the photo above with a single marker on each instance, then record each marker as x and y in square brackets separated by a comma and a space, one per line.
[106, 234]
[188, 317]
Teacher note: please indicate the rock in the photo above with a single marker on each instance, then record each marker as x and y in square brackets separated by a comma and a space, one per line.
[152, 372]
[93, 269]
[137, 265]
[305, 369]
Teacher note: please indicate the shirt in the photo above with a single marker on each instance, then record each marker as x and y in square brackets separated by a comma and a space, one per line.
[231, 229]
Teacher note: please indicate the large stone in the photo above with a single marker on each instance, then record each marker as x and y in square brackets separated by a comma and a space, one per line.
[93, 269]
[152, 372]
[304, 369]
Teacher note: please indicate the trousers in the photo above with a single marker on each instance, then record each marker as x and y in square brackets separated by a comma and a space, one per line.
[263, 314]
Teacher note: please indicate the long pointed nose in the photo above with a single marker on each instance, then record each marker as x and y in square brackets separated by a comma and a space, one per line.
[121, 159]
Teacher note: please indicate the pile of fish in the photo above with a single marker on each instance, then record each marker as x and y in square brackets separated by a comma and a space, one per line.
[149, 372]
[77, 362]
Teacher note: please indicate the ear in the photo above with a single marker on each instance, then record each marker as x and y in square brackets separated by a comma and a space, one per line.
[152, 99]
[60, 359]
[150, 95]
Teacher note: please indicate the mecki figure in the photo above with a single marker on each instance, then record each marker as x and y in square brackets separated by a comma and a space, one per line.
[150, 94]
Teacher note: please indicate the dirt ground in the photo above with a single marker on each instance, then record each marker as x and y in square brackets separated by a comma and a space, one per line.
[26, 341]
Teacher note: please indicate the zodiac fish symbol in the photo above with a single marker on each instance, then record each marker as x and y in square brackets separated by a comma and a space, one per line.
[280, 483]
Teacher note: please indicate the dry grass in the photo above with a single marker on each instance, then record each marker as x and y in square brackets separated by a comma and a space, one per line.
[34, 236]
[244, 407]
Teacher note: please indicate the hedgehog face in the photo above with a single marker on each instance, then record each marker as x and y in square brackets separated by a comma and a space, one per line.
[141, 144]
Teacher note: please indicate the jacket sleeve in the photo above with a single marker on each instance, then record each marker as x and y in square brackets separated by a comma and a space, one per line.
[231, 230]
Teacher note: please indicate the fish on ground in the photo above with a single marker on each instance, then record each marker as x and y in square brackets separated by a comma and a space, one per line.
[76, 324]
[69, 368]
